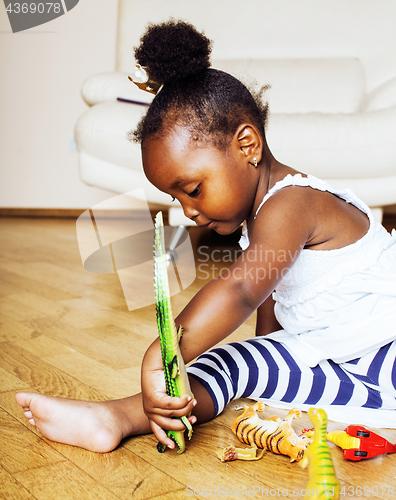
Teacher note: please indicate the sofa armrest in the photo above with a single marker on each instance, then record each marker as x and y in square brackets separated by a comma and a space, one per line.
[110, 86]
[382, 97]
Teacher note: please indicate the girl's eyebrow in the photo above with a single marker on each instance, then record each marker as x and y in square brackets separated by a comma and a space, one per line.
[179, 180]
[176, 183]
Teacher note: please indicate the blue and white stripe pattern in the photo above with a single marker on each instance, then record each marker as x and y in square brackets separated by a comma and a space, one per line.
[261, 368]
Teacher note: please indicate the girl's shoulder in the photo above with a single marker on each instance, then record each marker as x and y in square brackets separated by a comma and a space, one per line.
[281, 217]
[299, 179]
[326, 217]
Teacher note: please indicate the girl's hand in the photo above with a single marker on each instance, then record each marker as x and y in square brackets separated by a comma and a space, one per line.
[157, 405]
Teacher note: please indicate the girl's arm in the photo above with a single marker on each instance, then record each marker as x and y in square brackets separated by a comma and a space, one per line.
[284, 225]
[281, 230]
[266, 321]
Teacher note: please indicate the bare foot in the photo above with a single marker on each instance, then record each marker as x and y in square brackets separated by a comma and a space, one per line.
[95, 426]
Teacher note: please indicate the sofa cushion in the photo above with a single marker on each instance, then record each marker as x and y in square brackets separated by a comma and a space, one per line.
[303, 85]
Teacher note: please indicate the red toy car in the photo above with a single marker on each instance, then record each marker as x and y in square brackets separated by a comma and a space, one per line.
[371, 444]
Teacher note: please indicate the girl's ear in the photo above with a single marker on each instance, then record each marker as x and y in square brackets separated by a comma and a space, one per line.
[250, 143]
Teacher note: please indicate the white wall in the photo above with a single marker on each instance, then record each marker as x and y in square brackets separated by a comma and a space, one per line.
[41, 73]
[365, 29]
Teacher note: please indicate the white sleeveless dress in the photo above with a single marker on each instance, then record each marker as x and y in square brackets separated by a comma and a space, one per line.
[337, 304]
[337, 348]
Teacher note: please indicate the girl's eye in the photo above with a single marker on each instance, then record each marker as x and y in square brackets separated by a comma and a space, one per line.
[195, 192]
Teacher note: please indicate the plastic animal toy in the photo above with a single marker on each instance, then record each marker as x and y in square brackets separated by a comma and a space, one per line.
[323, 482]
[358, 443]
[176, 379]
[273, 434]
[231, 453]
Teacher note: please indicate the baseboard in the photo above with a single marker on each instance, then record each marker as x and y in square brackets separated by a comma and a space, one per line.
[60, 213]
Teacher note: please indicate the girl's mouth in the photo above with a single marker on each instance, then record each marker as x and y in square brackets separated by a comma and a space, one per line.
[209, 224]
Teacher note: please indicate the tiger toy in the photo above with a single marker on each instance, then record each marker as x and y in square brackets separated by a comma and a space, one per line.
[273, 434]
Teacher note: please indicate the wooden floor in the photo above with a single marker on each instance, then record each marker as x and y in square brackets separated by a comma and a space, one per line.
[67, 332]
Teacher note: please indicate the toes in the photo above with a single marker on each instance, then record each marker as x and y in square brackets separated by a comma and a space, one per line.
[23, 399]
[31, 421]
[28, 414]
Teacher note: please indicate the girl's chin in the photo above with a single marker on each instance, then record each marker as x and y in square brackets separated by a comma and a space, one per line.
[222, 229]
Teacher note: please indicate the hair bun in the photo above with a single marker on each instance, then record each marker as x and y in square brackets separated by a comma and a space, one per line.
[173, 50]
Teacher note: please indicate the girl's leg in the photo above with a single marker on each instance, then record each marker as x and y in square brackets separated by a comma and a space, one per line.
[261, 368]
[98, 426]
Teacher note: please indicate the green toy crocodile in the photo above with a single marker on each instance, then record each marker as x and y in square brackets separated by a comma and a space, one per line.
[176, 379]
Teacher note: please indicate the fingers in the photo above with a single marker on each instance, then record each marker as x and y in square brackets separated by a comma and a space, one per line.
[161, 435]
[172, 424]
[162, 420]
[170, 407]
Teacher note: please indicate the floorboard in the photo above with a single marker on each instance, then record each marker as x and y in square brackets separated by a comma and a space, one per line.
[67, 332]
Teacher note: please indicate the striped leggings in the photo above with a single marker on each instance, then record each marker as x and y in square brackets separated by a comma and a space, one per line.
[264, 369]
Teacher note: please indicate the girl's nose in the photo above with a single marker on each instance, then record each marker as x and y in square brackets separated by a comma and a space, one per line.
[190, 211]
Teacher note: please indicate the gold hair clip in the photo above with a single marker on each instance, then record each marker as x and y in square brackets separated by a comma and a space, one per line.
[142, 80]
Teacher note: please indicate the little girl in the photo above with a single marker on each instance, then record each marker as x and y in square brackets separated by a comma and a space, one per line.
[319, 270]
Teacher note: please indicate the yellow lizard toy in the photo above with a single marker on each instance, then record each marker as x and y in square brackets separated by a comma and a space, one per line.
[323, 482]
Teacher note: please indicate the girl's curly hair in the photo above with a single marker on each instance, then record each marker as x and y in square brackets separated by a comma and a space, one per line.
[210, 103]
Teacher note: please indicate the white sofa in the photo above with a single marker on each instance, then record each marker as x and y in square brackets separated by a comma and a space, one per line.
[332, 70]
